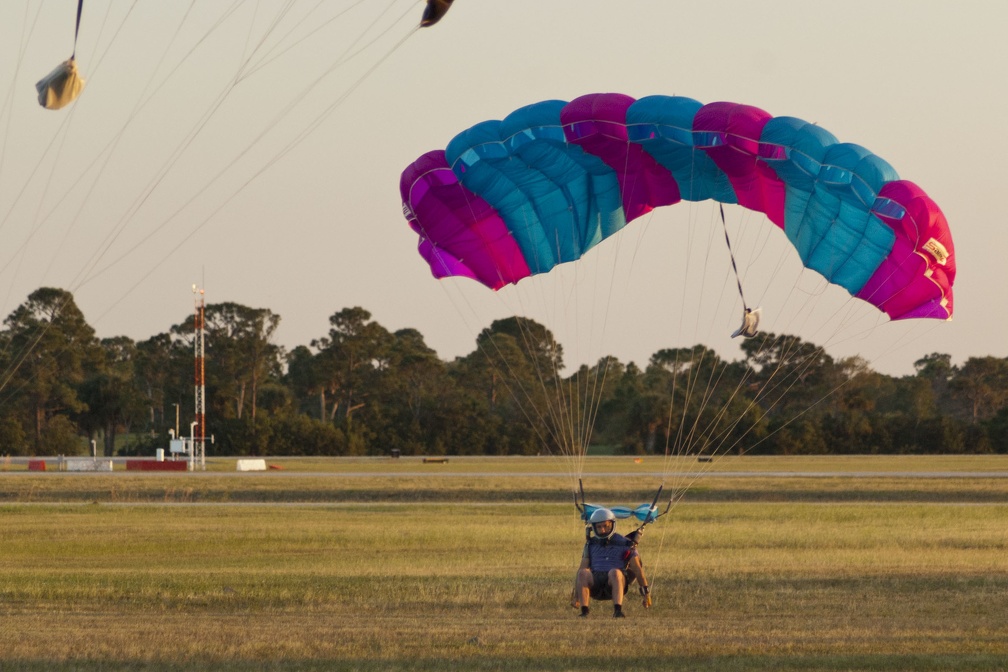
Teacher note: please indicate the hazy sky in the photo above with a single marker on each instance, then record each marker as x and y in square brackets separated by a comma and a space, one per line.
[255, 148]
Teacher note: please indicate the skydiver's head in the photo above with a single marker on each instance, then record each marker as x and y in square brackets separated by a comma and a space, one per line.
[603, 523]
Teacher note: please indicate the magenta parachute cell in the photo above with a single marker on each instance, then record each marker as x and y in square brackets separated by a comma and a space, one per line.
[512, 198]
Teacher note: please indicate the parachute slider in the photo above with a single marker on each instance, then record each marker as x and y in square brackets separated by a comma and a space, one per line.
[750, 323]
[644, 512]
[434, 11]
[61, 86]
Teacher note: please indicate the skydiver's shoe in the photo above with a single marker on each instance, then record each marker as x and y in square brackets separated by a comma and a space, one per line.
[584, 612]
[618, 612]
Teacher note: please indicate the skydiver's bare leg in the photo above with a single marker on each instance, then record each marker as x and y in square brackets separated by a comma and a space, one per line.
[616, 582]
[582, 587]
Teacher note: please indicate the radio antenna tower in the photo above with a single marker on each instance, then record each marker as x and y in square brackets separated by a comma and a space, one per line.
[199, 426]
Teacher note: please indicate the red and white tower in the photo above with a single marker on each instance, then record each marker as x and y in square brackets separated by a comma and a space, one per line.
[199, 428]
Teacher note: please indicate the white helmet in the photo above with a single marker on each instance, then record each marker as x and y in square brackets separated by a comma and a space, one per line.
[599, 516]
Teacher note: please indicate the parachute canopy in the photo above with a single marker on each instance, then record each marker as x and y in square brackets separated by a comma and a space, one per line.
[512, 198]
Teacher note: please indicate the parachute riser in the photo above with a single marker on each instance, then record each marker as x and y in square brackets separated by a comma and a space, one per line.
[654, 503]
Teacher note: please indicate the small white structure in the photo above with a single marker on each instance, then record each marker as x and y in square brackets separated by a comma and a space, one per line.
[86, 464]
[251, 465]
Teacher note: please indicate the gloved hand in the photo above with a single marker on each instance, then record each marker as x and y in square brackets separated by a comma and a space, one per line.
[634, 537]
[645, 592]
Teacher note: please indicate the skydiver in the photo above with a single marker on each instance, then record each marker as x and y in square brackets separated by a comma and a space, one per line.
[609, 565]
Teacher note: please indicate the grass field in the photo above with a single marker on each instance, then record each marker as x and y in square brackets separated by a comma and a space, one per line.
[768, 564]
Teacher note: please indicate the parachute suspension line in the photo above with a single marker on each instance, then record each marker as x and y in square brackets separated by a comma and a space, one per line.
[697, 437]
[24, 353]
[19, 253]
[673, 446]
[241, 188]
[498, 365]
[599, 370]
[568, 396]
[246, 54]
[298, 139]
[8, 105]
[152, 186]
[24, 187]
[219, 22]
[110, 148]
[671, 452]
[485, 349]
[773, 404]
[192, 136]
[806, 364]
[20, 358]
[63, 128]
[551, 415]
[572, 413]
[266, 55]
[802, 366]
[111, 145]
[99, 60]
[582, 392]
[578, 397]
[61, 132]
[107, 151]
[759, 248]
[537, 418]
[561, 404]
[87, 273]
[700, 435]
[697, 434]
[685, 436]
[40, 220]
[707, 435]
[596, 372]
[349, 55]
[267, 58]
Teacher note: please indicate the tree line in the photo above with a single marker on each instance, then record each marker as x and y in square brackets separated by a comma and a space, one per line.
[360, 389]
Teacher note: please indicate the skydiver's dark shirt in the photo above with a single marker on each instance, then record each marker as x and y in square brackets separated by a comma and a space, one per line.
[606, 554]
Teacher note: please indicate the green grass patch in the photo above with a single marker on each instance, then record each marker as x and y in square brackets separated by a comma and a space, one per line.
[474, 572]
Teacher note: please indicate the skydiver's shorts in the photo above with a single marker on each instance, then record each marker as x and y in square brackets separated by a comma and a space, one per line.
[601, 590]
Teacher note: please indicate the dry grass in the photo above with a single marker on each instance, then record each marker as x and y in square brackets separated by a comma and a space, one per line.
[828, 581]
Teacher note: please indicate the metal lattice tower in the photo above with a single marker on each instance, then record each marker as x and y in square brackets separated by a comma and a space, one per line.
[199, 429]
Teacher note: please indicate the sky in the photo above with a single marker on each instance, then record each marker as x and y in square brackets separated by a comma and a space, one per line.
[254, 149]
